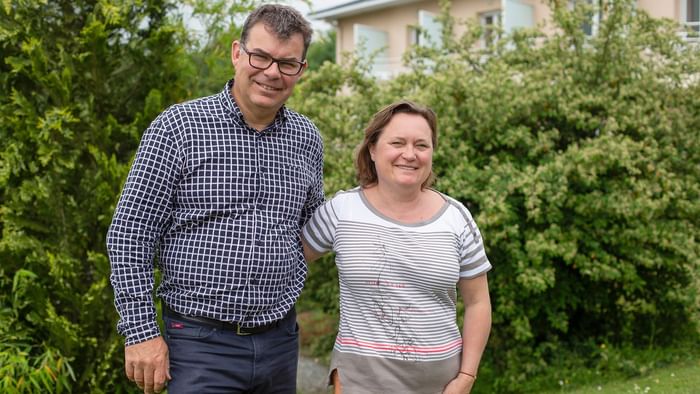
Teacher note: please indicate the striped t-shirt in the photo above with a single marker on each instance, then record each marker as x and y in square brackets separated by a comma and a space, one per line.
[397, 291]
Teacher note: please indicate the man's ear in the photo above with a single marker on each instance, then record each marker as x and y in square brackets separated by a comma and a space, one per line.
[235, 52]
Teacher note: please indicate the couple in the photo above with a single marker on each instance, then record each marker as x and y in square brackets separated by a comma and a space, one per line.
[225, 196]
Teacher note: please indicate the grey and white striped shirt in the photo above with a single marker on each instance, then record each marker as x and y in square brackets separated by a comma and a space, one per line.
[398, 284]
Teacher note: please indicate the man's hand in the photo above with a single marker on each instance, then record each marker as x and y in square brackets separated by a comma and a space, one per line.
[148, 365]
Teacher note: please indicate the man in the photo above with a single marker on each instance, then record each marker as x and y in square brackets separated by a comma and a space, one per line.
[217, 194]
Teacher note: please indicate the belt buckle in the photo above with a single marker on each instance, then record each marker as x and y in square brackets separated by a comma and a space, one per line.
[238, 330]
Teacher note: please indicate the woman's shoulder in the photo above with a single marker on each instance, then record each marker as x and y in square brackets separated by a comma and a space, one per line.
[345, 195]
[456, 206]
[343, 204]
[345, 199]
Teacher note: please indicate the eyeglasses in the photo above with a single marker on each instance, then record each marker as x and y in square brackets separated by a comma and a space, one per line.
[261, 61]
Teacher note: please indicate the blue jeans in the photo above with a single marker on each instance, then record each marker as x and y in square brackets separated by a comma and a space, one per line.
[212, 360]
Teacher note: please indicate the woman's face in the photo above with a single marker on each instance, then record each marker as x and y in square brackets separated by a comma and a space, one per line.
[403, 154]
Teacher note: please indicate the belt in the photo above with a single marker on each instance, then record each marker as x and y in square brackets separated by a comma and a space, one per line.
[223, 325]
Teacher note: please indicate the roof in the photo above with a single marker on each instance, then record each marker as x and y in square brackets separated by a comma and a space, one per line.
[355, 7]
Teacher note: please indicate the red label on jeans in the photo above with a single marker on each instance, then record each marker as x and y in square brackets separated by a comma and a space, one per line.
[174, 324]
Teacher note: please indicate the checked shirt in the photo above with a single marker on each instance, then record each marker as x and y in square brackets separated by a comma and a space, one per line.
[218, 206]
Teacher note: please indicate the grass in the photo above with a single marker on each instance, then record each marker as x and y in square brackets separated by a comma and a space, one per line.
[678, 378]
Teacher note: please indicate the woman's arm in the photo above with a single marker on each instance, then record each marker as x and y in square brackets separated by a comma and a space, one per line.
[475, 332]
[309, 253]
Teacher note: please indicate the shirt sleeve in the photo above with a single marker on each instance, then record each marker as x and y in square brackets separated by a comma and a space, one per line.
[473, 261]
[315, 196]
[142, 215]
[319, 231]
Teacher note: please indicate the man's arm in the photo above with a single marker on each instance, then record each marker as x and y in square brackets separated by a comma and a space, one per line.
[315, 199]
[315, 196]
[142, 215]
[140, 218]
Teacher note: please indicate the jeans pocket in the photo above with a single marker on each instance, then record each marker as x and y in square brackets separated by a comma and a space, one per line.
[293, 329]
[179, 328]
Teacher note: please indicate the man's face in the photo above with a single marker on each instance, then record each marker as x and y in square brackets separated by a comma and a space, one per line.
[262, 92]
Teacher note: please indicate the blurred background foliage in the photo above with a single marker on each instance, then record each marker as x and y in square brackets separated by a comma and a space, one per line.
[577, 155]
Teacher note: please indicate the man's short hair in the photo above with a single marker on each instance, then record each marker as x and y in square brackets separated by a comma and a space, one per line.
[284, 21]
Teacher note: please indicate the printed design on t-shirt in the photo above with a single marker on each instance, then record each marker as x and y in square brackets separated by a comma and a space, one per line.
[391, 316]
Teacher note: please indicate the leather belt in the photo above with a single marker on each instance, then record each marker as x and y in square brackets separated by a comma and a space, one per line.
[223, 325]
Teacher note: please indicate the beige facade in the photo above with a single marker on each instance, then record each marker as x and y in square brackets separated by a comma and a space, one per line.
[385, 27]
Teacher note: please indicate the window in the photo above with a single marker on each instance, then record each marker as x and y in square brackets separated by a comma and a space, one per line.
[517, 14]
[372, 43]
[690, 15]
[490, 22]
[428, 32]
[514, 14]
[432, 30]
[590, 27]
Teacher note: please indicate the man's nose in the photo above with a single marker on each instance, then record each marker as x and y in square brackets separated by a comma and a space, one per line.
[273, 71]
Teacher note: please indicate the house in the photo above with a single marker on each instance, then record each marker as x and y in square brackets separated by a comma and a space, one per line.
[387, 28]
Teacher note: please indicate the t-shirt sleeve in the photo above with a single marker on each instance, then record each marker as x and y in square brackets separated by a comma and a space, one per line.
[473, 261]
[319, 231]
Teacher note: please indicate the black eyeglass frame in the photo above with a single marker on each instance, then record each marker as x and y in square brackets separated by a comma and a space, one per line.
[272, 60]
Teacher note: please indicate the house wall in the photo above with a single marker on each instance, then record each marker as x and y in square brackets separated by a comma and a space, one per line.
[661, 8]
[395, 21]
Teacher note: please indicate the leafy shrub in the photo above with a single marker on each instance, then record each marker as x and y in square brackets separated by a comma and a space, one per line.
[579, 158]
[80, 80]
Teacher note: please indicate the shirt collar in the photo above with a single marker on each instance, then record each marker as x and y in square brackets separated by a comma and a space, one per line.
[232, 107]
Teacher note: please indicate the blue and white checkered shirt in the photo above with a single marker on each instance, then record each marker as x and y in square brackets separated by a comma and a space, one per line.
[221, 206]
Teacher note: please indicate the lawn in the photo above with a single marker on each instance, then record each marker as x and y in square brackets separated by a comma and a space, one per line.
[681, 378]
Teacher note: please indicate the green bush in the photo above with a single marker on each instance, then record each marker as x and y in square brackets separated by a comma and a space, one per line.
[80, 80]
[578, 157]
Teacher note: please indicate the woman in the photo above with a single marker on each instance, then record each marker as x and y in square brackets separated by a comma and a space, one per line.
[402, 249]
